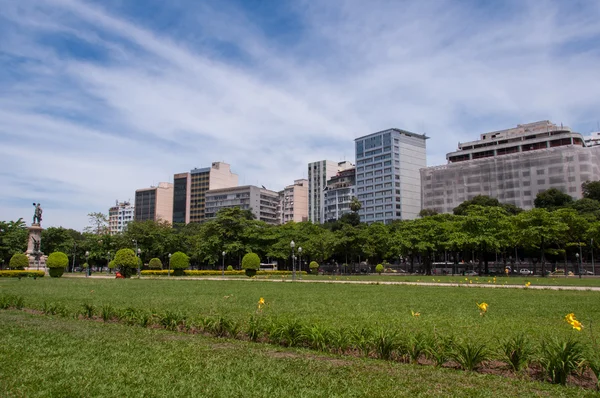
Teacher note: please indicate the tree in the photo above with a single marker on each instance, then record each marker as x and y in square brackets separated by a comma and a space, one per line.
[13, 239]
[19, 261]
[552, 199]
[591, 190]
[355, 204]
[98, 223]
[56, 263]
[588, 207]
[126, 261]
[251, 264]
[155, 263]
[427, 213]
[485, 201]
[179, 262]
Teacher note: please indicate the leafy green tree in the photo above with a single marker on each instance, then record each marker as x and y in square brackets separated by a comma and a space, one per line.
[575, 235]
[591, 190]
[485, 201]
[427, 213]
[588, 207]
[98, 223]
[251, 264]
[355, 204]
[155, 263]
[552, 199]
[19, 261]
[126, 261]
[56, 263]
[179, 262]
[13, 239]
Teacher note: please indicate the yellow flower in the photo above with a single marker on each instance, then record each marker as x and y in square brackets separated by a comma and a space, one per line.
[570, 318]
[482, 308]
[415, 313]
[466, 279]
[261, 302]
[528, 284]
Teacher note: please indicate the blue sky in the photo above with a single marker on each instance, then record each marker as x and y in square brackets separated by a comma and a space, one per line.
[99, 98]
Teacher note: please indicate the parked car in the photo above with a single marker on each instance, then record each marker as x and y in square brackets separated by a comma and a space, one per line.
[525, 271]
[471, 273]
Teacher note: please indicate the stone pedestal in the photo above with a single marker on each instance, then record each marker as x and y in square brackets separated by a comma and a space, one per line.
[36, 257]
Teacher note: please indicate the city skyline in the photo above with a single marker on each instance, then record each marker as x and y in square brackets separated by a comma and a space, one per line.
[102, 98]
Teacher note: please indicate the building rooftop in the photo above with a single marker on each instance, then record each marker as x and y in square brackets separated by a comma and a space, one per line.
[408, 133]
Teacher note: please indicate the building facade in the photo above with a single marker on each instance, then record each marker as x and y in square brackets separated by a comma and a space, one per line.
[388, 183]
[318, 174]
[190, 190]
[263, 203]
[121, 214]
[512, 165]
[339, 192]
[294, 202]
[154, 203]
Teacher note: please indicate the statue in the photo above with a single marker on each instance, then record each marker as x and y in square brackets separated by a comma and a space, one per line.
[38, 214]
[36, 245]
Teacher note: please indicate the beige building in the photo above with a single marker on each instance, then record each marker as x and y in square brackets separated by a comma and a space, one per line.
[294, 202]
[512, 165]
[154, 203]
[190, 190]
[262, 202]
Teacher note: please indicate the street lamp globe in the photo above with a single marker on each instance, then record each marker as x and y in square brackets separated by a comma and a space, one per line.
[292, 244]
[299, 250]
[223, 254]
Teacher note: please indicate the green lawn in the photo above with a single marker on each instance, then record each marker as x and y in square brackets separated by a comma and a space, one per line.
[47, 356]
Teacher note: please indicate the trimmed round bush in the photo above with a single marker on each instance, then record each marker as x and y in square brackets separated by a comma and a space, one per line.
[111, 264]
[19, 261]
[379, 268]
[229, 268]
[155, 263]
[251, 264]
[126, 261]
[314, 267]
[85, 266]
[56, 263]
[179, 262]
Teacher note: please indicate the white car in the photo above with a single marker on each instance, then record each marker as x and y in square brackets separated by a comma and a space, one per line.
[525, 271]
[471, 273]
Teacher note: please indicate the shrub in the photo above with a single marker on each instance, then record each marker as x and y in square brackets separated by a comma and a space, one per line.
[179, 262]
[56, 263]
[314, 267]
[21, 274]
[379, 269]
[561, 358]
[516, 352]
[111, 264]
[19, 261]
[126, 261]
[85, 266]
[470, 354]
[207, 272]
[229, 268]
[155, 263]
[384, 343]
[251, 264]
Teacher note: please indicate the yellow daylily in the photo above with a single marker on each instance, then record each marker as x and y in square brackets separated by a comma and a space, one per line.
[570, 318]
[261, 302]
[482, 308]
[415, 313]
[528, 284]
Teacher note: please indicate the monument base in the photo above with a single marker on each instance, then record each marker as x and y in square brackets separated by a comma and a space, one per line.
[37, 260]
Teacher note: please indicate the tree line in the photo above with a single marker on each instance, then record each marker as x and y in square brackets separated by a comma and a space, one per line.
[479, 231]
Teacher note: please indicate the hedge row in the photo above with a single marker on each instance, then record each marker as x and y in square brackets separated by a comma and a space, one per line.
[164, 272]
[21, 274]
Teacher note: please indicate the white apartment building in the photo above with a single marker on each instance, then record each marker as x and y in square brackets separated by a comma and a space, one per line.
[262, 202]
[318, 174]
[121, 214]
[294, 202]
[388, 183]
[512, 165]
[339, 192]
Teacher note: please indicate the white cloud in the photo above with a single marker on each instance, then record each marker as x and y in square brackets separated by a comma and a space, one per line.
[160, 103]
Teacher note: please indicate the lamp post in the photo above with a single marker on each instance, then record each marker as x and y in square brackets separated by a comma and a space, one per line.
[169, 271]
[223, 263]
[74, 255]
[292, 245]
[138, 252]
[108, 262]
[578, 263]
[300, 263]
[593, 266]
[89, 270]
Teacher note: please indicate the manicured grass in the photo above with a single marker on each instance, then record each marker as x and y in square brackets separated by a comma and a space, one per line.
[447, 310]
[46, 356]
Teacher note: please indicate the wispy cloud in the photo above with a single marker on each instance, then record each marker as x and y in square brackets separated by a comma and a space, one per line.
[100, 99]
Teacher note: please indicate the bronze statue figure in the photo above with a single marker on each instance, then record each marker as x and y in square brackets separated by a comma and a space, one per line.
[36, 245]
[38, 214]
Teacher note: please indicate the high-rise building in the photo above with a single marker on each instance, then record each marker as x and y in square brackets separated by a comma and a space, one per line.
[339, 192]
[512, 165]
[388, 183]
[121, 214]
[154, 203]
[593, 139]
[318, 175]
[263, 203]
[294, 202]
[190, 190]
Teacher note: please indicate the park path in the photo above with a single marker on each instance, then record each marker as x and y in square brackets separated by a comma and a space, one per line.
[465, 285]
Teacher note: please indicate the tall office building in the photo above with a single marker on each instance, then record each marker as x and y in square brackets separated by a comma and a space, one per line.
[512, 165]
[262, 202]
[339, 192]
[119, 216]
[154, 203]
[388, 183]
[318, 175]
[294, 202]
[190, 190]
